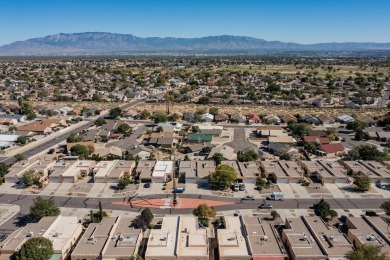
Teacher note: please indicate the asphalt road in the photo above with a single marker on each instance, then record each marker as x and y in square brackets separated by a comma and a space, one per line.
[239, 140]
[24, 201]
[49, 143]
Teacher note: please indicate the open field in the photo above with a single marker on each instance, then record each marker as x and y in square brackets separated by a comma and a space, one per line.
[261, 110]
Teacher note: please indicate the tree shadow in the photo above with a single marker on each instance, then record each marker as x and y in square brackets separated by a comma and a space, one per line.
[22, 220]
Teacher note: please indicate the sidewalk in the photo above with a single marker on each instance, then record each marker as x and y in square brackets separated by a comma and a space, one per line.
[7, 211]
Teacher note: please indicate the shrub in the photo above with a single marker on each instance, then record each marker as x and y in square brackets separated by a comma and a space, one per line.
[371, 213]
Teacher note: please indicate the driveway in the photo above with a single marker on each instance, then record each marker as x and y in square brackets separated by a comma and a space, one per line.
[239, 141]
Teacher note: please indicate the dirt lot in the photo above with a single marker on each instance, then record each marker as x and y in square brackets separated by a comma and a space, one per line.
[86, 105]
[261, 110]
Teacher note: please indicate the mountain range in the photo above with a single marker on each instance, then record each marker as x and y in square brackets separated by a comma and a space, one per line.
[100, 43]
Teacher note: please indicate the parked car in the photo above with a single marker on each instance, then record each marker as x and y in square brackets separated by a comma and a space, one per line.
[2, 237]
[51, 151]
[147, 185]
[241, 186]
[265, 206]
[248, 197]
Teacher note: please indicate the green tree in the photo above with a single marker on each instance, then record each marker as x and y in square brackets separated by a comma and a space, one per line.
[299, 129]
[136, 257]
[100, 121]
[386, 207]
[204, 100]
[285, 156]
[195, 129]
[145, 114]
[124, 182]
[20, 157]
[248, 156]
[218, 158]
[31, 177]
[147, 215]
[31, 116]
[333, 214]
[223, 176]
[160, 118]
[22, 139]
[367, 252]
[100, 211]
[310, 147]
[362, 182]
[115, 112]
[186, 158]
[359, 134]
[74, 138]
[36, 248]
[175, 117]
[274, 214]
[322, 209]
[124, 129]
[3, 169]
[43, 208]
[356, 125]
[204, 212]
[205, 150]
[366, 152]
[80, 150]
[214, 111]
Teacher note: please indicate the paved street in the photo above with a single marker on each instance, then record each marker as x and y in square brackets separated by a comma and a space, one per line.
[239, 140]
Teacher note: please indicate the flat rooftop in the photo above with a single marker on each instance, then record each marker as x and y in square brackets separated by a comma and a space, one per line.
[162, 168]
[332, 240]
[121, 167]
[102, 169]
[262, 238]
[377, 167]
[162, 242]
[291, 168]
[249, 169]
[334, 168]
[124, 239]
[231, 240]
[204, 168]
[302, 243]
[77, 167]
[19, 168]
[312, 166]
[192, 240]
[94, 238]
[370, 230]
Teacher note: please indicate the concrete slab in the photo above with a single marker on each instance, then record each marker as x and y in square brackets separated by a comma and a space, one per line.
[287, 190]
[300, 190]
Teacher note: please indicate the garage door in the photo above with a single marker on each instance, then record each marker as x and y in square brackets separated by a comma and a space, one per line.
[341, 180]
[191, 180]
[283, 180]
[113, 180]
[250, 180]
[55, 180]
[100, 180]
[68, 180]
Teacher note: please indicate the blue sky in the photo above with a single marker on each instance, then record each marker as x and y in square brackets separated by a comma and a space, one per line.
[302, 21]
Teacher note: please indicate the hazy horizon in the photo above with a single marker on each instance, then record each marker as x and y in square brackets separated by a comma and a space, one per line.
[302, 21]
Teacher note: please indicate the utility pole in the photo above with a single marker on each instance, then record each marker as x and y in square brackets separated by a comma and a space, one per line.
[174, 178]
[167, 102]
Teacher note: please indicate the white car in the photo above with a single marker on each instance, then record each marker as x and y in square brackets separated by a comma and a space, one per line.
[248, 197]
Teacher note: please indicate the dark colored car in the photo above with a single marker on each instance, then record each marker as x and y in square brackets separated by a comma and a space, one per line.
[51, 151]
[147, 185]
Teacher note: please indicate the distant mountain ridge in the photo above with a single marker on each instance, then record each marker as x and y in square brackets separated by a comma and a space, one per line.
[100, 43]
